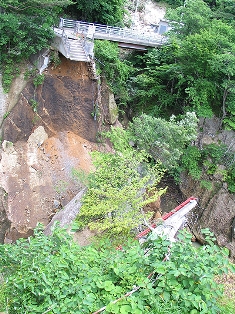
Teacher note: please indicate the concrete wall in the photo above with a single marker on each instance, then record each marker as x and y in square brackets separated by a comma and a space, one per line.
[59, 45]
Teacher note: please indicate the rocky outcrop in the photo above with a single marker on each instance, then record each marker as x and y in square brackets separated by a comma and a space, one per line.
[108, 104]
[64, 102]
[66, 216]
[216, 209]
[9, 100]
[49, 133]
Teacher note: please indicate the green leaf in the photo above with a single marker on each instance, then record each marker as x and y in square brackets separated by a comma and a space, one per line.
[160, 269]
[166, 296]
[125, 309]
[108, 285]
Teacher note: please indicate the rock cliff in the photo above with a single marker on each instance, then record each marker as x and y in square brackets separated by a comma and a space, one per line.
[49, 131]
[216, 209]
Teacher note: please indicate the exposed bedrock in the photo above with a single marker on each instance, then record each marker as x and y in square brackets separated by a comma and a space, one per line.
[49, 133]
[216, 209]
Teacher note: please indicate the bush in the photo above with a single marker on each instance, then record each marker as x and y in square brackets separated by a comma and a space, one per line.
[54, 275]
[119, 188]
[164, 140]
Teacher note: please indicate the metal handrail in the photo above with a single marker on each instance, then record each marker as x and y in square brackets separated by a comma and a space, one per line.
[66, 43]
[111, 32]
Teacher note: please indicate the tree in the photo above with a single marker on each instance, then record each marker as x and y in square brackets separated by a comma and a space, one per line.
[164, 140]
[154, 87]
[223, 66]
[174, 3]
[189, 19]
[115, 70]
[209, 71]
[119, 188]
[101, 11]
[26, 28]
[224, 10]
[189, 73]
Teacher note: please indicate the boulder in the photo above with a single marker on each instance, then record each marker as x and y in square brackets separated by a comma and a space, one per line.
[66, 216]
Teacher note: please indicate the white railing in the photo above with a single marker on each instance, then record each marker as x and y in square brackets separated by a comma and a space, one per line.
[66, 43]
[113, 33]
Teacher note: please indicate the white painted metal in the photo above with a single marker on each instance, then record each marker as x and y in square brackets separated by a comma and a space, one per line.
[71, 46]
[171, 225]
[118, 34]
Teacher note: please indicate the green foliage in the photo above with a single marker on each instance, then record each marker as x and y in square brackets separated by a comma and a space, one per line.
[189, 74]
[101, 11]
[224, 10]
[191, 161]
[54, 275]
[217, 153]
[38, 80]
[113, 68]
[25, 28]
[34, 104]
[80, 175]
[206, 184]
[188, 279]
[207, 45]
[191, 18]
[6, 114]
[230, 178]
[151, 86]
[208, 159]
[164, 140]
[119, 188]
[227, 305]
[173, 3]
[2, 296]
[229, 123]
[54, 58]
[8, 74]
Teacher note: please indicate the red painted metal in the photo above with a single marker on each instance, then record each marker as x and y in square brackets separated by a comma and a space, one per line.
[167, 215]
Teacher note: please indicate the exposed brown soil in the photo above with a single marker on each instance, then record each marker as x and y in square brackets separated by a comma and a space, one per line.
[44, 146]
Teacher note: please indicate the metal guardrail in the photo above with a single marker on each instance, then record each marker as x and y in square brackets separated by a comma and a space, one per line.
[99, 31]
[66, 43]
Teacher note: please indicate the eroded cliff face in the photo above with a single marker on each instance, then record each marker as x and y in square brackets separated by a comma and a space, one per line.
[216, 209]
[49, 132]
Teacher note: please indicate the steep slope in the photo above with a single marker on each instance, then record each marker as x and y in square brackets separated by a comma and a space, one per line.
[48, 133]
[216, 209]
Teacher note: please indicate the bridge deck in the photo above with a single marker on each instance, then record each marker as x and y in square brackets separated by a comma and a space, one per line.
[122, 35]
